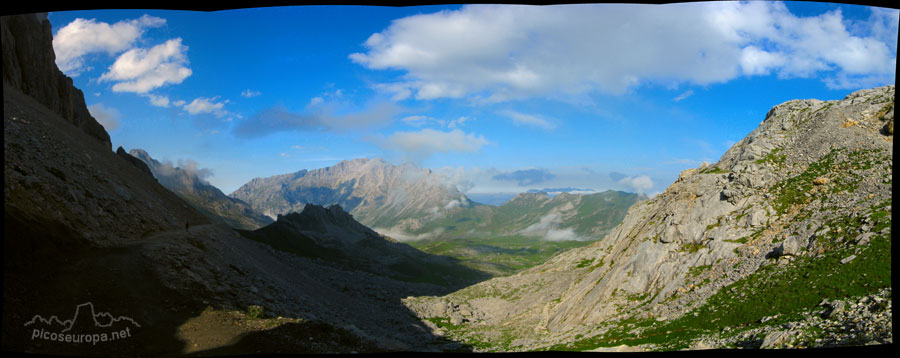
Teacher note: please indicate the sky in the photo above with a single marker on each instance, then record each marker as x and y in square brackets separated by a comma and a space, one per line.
[495, 98]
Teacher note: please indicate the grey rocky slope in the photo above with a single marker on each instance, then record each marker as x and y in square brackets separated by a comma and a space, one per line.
[811, 185]
[377, 193]
[84, 224]
[202, 195]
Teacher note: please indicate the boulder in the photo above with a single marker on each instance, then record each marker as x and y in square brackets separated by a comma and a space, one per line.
[864, 238]
[774, 339]
[790, 247]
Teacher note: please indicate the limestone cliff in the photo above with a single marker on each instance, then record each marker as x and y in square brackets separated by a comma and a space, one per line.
[29, 66]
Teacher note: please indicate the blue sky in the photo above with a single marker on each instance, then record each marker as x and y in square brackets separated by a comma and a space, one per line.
[495, 98]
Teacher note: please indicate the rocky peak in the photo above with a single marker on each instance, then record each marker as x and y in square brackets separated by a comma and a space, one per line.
[318, 218]
[137, 162]
[29, 66]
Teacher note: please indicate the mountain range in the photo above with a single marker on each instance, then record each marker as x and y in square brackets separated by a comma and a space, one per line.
[377, 193]
[414, 205]
[784, 242]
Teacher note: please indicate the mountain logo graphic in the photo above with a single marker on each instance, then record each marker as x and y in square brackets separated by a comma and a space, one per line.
[85, 326]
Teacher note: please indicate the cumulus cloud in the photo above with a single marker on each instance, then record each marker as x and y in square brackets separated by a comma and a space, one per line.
[526, 177]
[159, 101]
[107, 117]
[189, 166]
[140, 70]
[640, 183]
[528, 119]
[82, 37]
[426, 142]
[207, 105]
[499, 52]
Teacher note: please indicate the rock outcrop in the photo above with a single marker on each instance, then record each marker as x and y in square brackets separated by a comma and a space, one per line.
[29, 66]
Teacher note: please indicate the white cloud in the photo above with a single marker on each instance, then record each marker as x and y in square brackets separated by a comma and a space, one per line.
[428, 141]
[419, 121]
[315, 101]
[81, 37]
[501, 52]
[683, 95]
[139, 70]
[207, 105]
[159, 101]
[179, 103]
[398, 91]
[189, 166]
[640, 183]
[459, 122]
[548, 228]
[107, 117]
[528, 119]
[248, 93]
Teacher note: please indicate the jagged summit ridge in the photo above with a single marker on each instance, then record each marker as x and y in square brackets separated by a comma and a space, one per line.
[376, 192]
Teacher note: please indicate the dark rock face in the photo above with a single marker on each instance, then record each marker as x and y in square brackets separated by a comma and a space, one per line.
[134, 161]
[29, 65]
